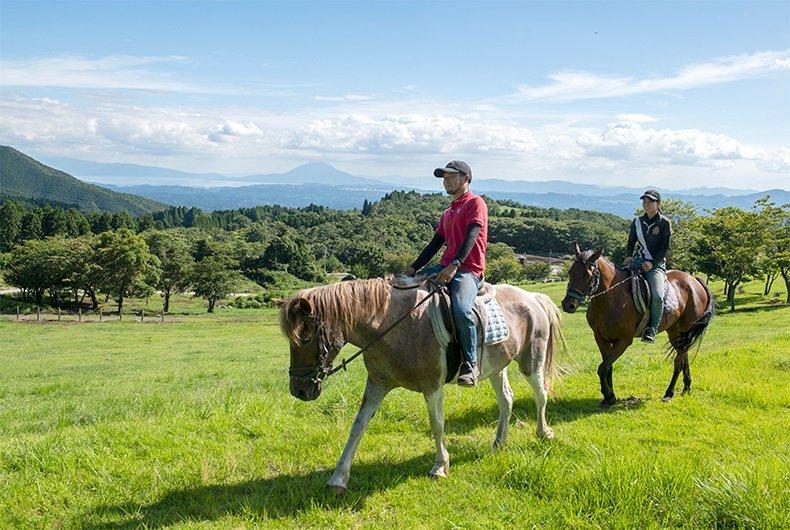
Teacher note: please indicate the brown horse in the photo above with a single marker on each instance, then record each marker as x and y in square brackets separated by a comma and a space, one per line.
[613, 317]
[319, 321]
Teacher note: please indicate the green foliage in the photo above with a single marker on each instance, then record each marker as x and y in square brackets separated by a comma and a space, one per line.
[537, 271]
[175, 262]
[127, 266]
[728, 245]
[502, 266]
[10, 225]
[213, 280]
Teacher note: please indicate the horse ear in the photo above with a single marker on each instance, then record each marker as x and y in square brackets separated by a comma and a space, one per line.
[306, 306]
[576, 248]
[595, 256]
[278, 302]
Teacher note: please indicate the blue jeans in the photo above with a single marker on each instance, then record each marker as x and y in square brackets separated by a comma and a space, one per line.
[463, 290]
[655, 280]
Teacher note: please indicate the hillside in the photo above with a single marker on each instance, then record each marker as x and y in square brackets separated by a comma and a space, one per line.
[24, 178]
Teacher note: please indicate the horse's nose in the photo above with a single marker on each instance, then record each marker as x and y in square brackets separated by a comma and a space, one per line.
[301, 394]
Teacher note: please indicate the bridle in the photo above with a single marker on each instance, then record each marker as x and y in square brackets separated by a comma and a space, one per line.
[316, 373]
[319, 372]
[595, 282]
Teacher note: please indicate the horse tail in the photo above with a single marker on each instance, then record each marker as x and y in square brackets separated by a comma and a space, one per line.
[550, 370]
[694, 335]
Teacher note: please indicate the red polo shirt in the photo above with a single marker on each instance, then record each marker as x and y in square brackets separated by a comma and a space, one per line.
[463, 211]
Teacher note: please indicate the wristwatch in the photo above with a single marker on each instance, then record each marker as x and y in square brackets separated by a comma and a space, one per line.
[456, 262]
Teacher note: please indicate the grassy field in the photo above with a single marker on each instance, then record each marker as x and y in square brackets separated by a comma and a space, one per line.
[190, 424]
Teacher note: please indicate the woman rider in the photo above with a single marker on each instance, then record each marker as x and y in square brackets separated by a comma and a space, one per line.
[650, 236]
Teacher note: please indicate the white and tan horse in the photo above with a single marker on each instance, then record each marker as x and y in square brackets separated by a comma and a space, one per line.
[320, 320]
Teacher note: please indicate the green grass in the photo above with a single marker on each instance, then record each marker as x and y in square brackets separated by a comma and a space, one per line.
[190, 424]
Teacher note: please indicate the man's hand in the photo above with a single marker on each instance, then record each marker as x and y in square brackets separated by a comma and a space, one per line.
[646, 266]
[628, 261]
[447, 274]
[409, 271]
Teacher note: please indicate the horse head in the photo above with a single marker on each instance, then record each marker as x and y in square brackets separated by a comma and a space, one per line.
[583, 278]
[313, 346]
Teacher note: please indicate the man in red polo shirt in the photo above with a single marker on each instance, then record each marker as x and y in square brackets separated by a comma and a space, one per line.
[463, 227]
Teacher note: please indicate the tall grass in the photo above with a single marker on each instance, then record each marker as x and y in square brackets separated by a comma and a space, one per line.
[190, 424]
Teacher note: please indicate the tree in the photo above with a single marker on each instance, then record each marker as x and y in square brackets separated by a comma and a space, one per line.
[31, 225]
[213, 280]
[84, 271]
[127, 266]
[10, 225]
[775, 259]
[537, 271]
[728, 244]
[37, 266]
[502, 264]
[175, 263]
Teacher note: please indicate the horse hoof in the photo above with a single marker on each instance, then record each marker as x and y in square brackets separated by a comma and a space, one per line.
[498, 445]
[337, 490]
[547, 434]
[686, 391]
[606, 403]
[666, 399]
[439, 471]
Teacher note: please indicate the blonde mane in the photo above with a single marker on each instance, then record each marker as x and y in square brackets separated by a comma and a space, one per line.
[337, 306]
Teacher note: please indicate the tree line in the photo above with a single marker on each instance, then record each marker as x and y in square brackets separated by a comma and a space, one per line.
[73, 255]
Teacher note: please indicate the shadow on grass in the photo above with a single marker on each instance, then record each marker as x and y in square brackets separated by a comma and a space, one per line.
[558, 410]
[283, 496]
[753, 308]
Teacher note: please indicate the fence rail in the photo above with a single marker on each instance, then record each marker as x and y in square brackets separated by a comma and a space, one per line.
[79, 316]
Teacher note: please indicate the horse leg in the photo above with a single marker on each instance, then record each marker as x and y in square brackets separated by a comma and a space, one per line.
[371, 400]
[536, 377]
[504, 398]
[686, 376]
[680, 356]
[605, 370]
[435, 402]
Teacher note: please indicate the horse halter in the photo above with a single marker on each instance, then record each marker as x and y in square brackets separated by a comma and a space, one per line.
[595, 282]
[316, 373]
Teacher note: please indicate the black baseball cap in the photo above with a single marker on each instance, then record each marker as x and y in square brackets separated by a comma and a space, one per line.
[652, 195]
[454, 166]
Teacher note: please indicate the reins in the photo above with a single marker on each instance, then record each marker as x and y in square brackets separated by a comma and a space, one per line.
[595, 282]
[342, 366]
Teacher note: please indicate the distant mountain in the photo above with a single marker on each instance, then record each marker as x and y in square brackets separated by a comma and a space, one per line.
[128, 172]
[318, 173]
[348, 197]
[22, 177]
[229, 198]
[328, 175]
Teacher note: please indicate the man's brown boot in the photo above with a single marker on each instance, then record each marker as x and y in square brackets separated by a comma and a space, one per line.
[467, 376]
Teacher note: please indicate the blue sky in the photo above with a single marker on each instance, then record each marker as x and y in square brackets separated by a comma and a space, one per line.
[673, 94]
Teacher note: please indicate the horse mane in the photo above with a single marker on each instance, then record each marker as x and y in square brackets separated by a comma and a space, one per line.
[337, 306]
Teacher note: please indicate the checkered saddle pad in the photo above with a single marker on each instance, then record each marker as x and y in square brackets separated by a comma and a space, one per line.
[491, 325]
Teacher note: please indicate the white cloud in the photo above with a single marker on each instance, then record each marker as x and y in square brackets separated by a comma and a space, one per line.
[571, 85]
[345, 97]
[410, 133]
[626, 140]
[113, 72]
[239, 140]
[636, 118]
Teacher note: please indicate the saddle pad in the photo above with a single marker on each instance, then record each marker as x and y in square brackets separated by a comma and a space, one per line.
[496, 329]
[496, 326]
[642, 297]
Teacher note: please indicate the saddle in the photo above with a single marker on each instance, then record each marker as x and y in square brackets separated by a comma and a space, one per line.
[490, 323]
[640, 292]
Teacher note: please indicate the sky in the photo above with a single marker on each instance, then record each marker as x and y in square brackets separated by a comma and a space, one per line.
[672, 94]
